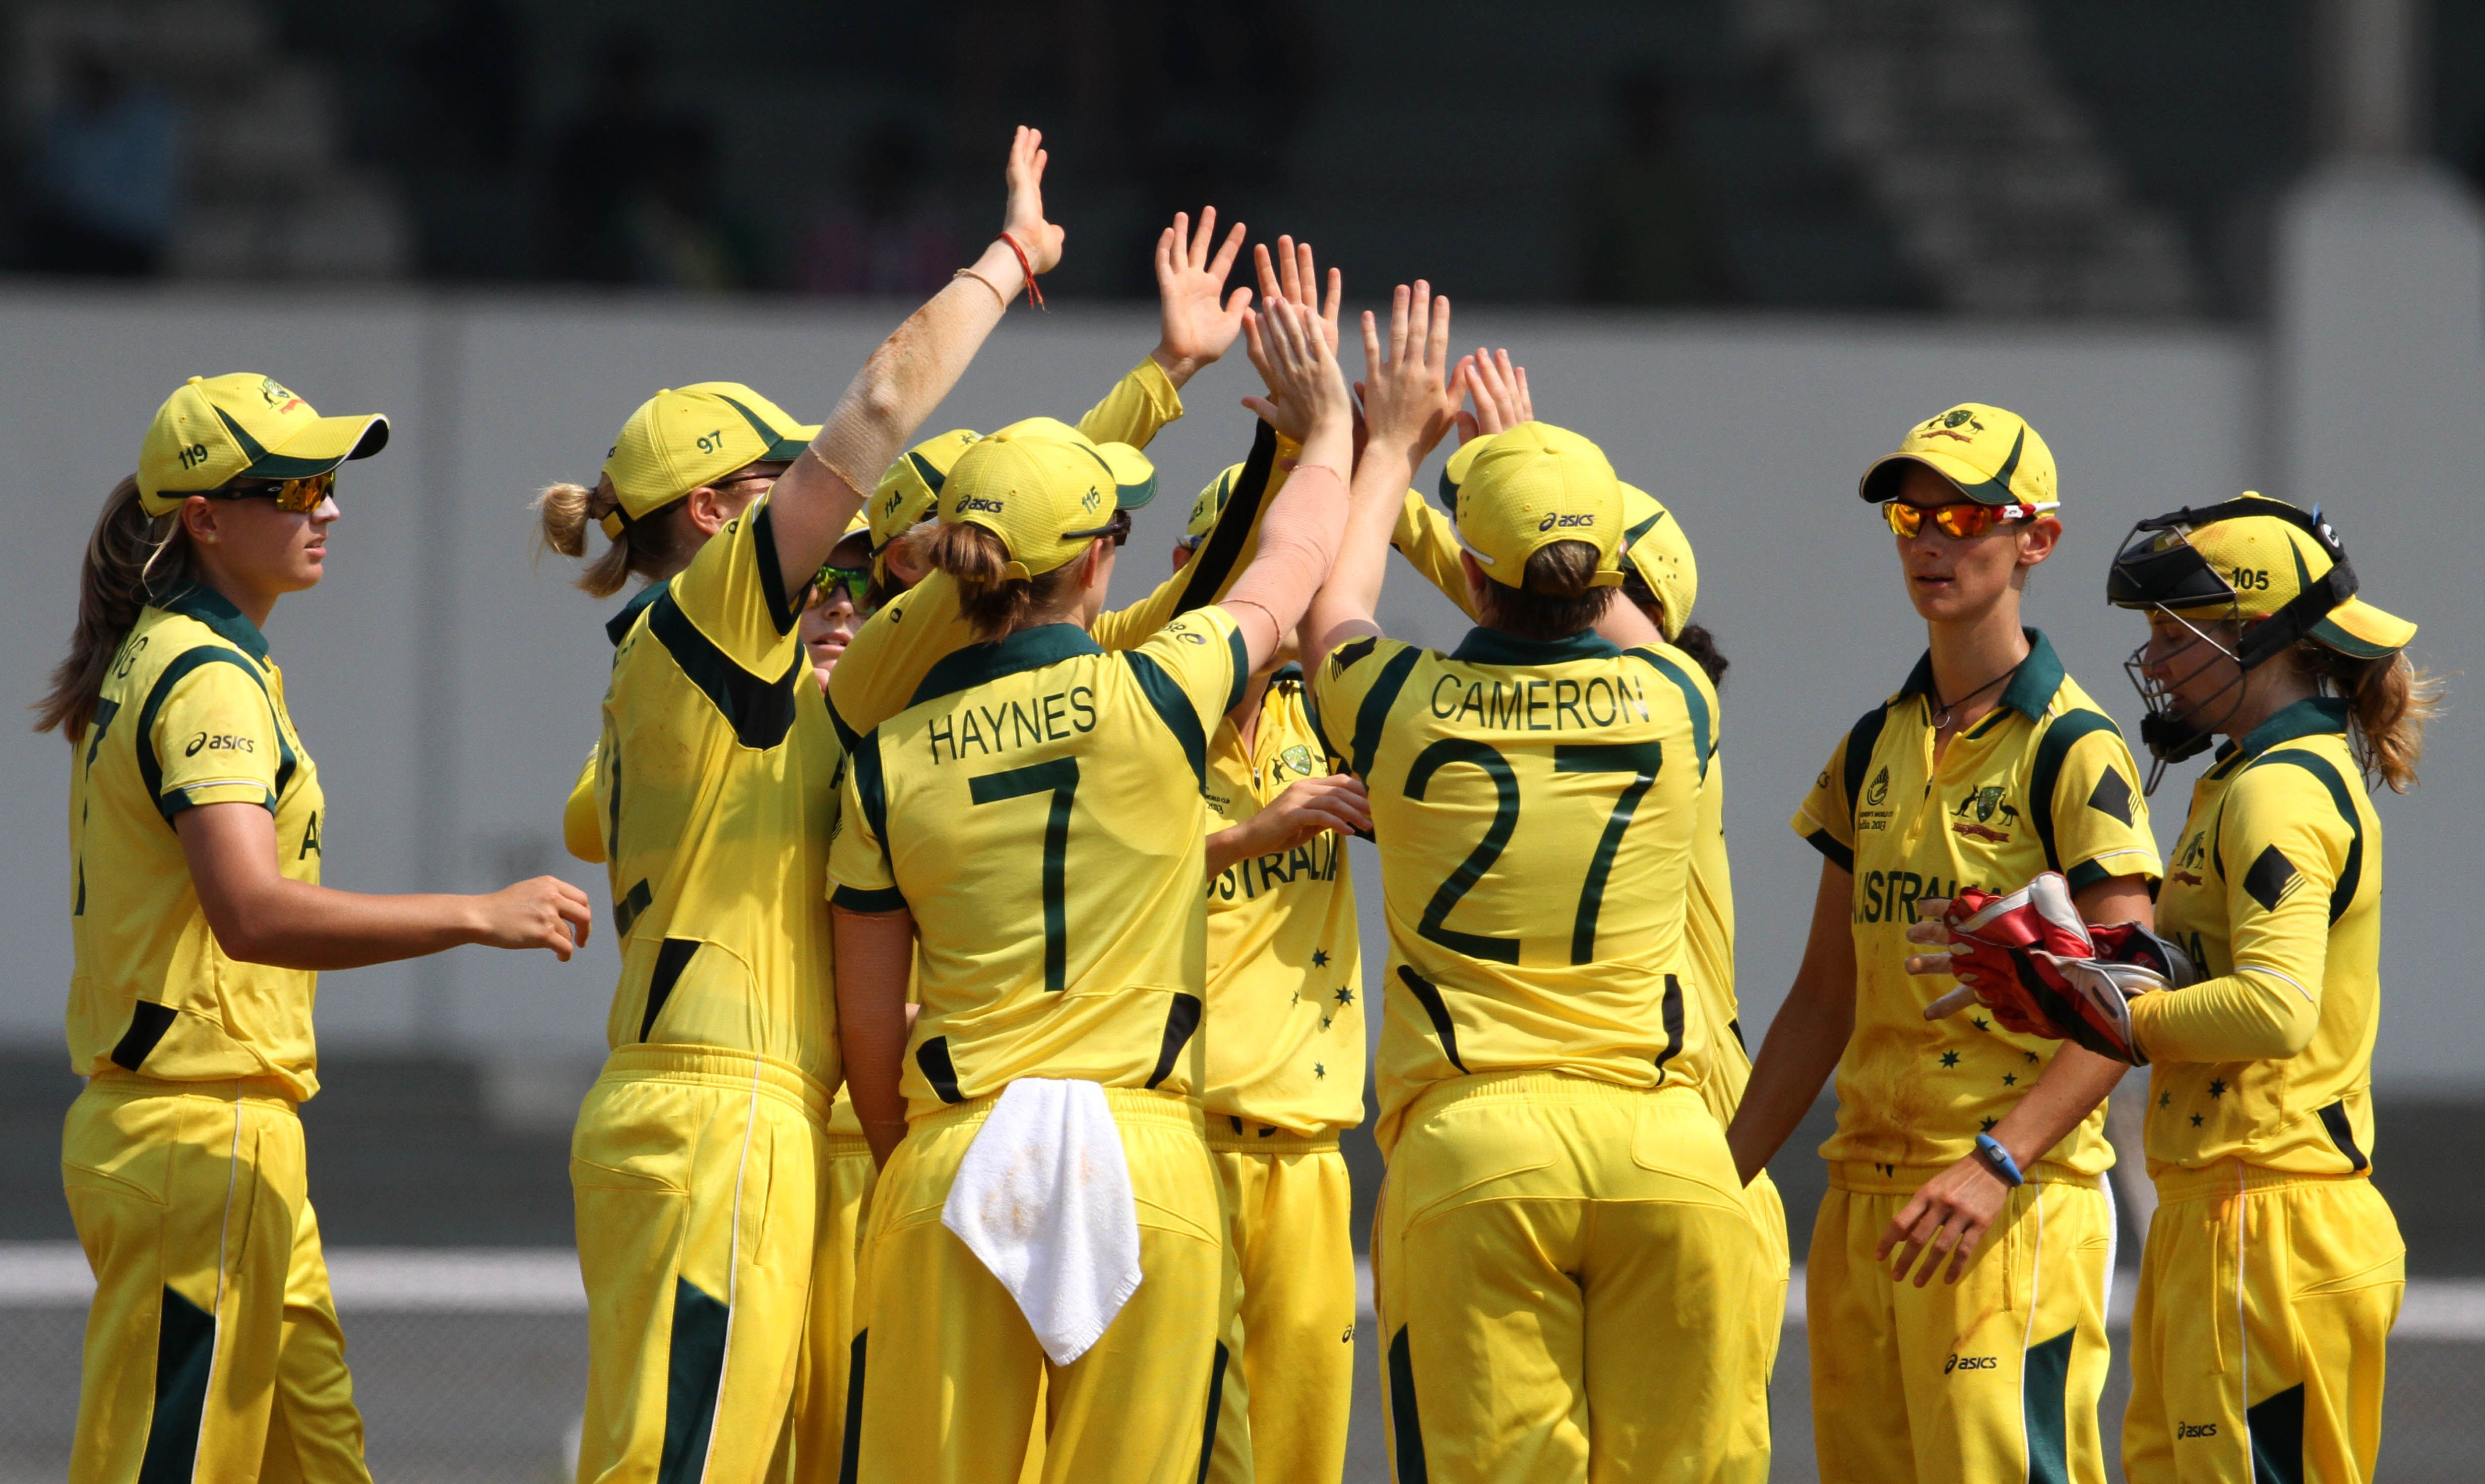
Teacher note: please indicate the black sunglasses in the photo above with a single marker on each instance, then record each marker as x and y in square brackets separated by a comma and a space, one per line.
[297, 497]
[1118, 527]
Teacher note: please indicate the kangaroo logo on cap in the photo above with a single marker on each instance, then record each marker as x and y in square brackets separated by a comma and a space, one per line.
[276, 395]
[1947, 425]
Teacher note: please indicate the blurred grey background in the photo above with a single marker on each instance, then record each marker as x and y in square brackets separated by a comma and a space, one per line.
[1741, 243]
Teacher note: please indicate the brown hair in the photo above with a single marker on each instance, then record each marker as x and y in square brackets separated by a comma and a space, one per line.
[1701, 646]
[131, 559]
[2388, 703]
[993, 605]
[645, 547]
[1556, 597]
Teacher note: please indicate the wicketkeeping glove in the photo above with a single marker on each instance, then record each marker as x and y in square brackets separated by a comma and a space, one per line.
[2029, 959]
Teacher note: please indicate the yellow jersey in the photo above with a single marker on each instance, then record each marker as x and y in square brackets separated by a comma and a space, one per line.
[2043, 782]
[1428, 539]
[582, 826]
[1284, 1033]
[716, 788]
[1037, 810]
[2276, 892]
[897, 647]
[191, 712]
[1513, 783]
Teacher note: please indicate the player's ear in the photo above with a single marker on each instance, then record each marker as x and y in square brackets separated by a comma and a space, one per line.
[2037, 539]
[705, 509]
[1475, 577]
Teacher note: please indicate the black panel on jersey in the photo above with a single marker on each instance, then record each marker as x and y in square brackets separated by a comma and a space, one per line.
[760, 712]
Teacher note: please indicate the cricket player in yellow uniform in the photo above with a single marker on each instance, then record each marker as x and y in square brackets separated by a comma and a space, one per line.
[1285, 1054]
[814, 1440]
[1957, 1141]
[2274, 1269]
[197, 835]
[697, 1157]
[1031, 828]
[1661, 580]
[1562, 1260]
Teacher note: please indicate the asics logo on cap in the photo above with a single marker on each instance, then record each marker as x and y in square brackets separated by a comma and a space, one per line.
[1566, 522]
[967, 503]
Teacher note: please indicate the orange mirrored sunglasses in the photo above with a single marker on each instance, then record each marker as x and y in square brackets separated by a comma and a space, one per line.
[299, 497]
[1963, 520]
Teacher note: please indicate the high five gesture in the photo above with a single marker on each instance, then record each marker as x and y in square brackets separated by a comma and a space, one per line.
[1200, 320]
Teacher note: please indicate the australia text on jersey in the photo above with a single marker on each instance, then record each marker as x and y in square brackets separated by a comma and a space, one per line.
[1542, 706]
[1248, 877]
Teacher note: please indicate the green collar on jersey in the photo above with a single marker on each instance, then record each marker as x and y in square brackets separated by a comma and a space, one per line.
[617, 627]
[1493, 647]
[1289, 671]
[197, 600]
[2031, 685]
[2309, 717]
[1047, 643]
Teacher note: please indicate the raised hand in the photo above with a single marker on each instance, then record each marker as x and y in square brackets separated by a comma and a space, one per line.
[1409, 401]
[1189, 284]
[1024, 223]
[1306, 390]
[1499, 390]
[1293, 274]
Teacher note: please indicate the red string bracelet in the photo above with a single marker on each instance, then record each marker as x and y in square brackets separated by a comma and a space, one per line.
[1035, 296]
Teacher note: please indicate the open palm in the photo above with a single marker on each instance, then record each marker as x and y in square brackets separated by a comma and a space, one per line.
[1200, 320]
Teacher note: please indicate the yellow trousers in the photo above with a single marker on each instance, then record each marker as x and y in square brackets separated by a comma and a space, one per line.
[2258, 1336]
[1564, 1271]
[816, 1431]
[696, 1172]
[1290, 1379]
[1768, 1311]
[1995, 1377]
[212, 1350]
[951, 1377]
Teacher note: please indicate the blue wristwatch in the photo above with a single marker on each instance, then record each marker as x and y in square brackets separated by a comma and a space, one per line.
[1998, 1160]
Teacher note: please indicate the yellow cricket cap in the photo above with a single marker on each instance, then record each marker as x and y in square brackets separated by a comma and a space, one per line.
[910, 486]
[1046, 489]
[1210, 505]
[1524, 488]
[2255, 558]
[243, 425]
[1657, 550]
[680, 439]
[1992, 455]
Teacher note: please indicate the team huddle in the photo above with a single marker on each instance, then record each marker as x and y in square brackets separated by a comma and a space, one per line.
[992, 999]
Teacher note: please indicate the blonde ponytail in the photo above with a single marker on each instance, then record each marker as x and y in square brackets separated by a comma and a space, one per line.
[2389, 702]
[565, 512]
[131, 559]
